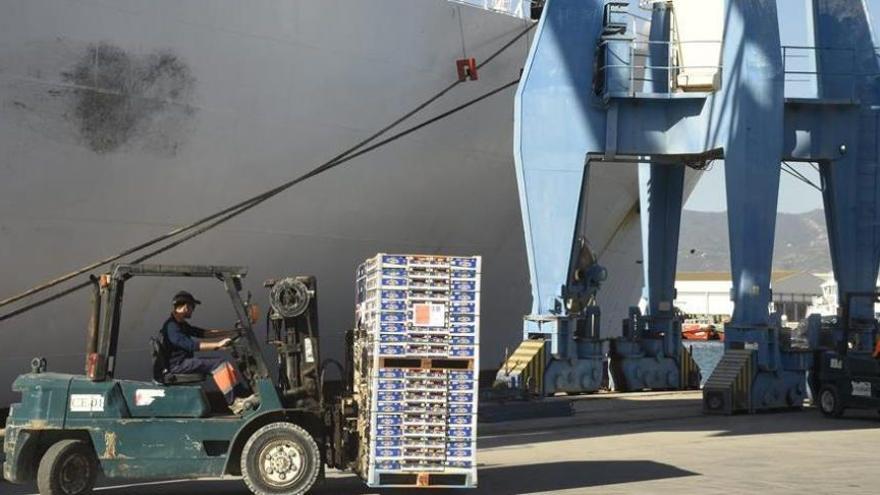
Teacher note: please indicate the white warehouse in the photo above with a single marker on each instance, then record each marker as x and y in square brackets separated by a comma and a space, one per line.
[706, 295]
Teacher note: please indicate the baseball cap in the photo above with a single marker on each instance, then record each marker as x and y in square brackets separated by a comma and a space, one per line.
[184, 297]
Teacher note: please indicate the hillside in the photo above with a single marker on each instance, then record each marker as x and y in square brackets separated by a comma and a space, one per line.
[801, 242]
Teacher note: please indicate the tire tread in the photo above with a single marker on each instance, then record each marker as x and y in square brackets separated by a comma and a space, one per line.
[46, 471]
[301, 434]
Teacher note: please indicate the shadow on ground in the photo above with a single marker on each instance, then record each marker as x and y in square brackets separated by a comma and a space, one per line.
[511, 480]
[541, 478]
[569, 475]
[689, 420]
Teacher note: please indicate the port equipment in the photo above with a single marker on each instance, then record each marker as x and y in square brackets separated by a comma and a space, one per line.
[580, 105]
[708, 84]
[69, 428]
[837, 129]
[848, 376]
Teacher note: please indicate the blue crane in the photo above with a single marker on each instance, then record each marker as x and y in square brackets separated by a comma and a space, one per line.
[593, 95]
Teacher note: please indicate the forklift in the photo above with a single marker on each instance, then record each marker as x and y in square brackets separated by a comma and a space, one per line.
[849, 375]
[69, 429]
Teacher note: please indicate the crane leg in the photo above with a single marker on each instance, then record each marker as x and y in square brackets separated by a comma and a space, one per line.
[649, 355]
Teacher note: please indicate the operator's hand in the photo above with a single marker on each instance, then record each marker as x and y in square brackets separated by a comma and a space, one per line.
[224, 343]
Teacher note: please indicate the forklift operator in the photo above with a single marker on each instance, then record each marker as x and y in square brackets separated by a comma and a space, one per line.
[180, 337]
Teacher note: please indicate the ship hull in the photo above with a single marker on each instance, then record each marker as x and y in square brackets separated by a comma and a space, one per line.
[122, 120]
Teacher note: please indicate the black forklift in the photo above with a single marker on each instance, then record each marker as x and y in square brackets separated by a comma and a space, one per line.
[849, 375]
[69, 429]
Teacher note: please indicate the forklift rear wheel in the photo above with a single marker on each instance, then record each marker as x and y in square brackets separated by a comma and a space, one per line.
[280, 459]
[69, 467]
[829, 401]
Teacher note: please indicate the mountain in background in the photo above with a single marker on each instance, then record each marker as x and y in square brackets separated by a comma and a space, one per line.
[801, 242]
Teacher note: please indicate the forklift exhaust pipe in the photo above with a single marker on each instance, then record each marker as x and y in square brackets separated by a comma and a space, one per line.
[94, 323]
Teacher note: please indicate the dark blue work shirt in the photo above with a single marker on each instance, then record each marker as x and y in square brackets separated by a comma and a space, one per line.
[179, 340]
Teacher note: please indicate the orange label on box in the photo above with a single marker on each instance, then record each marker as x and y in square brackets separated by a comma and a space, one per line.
[429, 315]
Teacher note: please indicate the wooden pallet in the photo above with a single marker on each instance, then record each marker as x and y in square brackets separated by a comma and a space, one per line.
[428, 363]
[425, 480]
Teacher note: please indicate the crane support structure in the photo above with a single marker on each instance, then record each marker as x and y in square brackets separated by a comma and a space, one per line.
[595, 94]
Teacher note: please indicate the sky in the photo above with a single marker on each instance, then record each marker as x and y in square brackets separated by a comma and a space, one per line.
[794, 195]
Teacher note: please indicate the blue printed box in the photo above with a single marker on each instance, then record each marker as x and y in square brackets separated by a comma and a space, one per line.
[462, 296]
[462, 385]
[461, 397]
[392, 350]
[389, 442]
[390, 396]
[460, 307]
[459, 445]
[389, 419]
[391, 373]
[461, 375]
[461, 419]
[393, 282]
[392, 385]
[462, 408]
[389, 431]
[393, 328]
[386, 452]
[468, 262]
[394, 272]
[465, 285]
[461, 453]
[388, 259]
[394, 338]
[392, 294]
[393, 305]
[460, 432]
[469, 329]
[391, 407]
[393, 317]
[388, 465]
[453, 318]
[464, 274]
[462, 351]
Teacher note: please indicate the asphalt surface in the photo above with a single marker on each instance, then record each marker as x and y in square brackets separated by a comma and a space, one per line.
[642, 443]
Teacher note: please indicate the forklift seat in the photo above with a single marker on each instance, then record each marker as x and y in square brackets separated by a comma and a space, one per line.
[160, 367]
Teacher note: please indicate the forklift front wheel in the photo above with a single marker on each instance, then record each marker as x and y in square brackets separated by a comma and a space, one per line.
[69, 467]
[280, 459]
[829, 401]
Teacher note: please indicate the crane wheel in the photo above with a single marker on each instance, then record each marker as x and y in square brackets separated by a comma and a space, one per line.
[829, 401]
[69, 467]
[280, 459]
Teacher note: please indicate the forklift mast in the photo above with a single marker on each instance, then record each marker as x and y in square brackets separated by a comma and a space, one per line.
[292, 327]
[864, 329]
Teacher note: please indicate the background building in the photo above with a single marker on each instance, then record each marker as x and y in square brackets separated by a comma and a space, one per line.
[826, 303]
[707, 294]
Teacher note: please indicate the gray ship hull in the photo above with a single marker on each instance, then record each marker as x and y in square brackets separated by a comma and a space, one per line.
[120, 120]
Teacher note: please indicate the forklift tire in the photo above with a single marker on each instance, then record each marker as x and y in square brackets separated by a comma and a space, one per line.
[69, 467]
[280, 459]
[829, 402]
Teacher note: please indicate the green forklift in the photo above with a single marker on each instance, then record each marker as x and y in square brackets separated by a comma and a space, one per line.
[70, 429]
